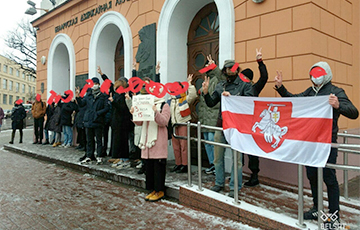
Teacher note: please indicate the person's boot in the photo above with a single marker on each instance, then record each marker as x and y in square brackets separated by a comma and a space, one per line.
[254, 181]
[21, 138]
[12, 138]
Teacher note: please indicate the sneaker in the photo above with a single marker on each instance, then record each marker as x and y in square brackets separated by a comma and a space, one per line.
[124, 165]
[82, 158]
[99, 160]
[141, 171]
[139, 166]
[52, 142]
[135, 163]
[112, 160]
[176, 167]
[35, 142]
[210, 170]
[182, 169]
[118, 163]
[63, 145]
[56, 144]
[11, 142]
[216, 188]
[87, 160]
[150, 195]
[311, 214]
[46, 142]
[157, 196]
[67, 145]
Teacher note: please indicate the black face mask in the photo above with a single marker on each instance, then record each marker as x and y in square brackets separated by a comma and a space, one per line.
[231, 78]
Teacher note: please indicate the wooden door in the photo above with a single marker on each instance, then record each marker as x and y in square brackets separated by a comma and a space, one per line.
[203, 39]
[119, 59]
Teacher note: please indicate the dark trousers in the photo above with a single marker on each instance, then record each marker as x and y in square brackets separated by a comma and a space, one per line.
[254, 164]
[134, 151]
[39, 128]
[155, 174]
[120, 143]
[105, 138]
[81, 136]
[13, 135]
[330, 181]
[90, 145]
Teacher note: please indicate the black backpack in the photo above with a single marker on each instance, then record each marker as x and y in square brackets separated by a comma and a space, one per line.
[169, 125]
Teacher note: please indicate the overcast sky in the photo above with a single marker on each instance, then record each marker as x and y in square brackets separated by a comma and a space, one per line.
[12, 12]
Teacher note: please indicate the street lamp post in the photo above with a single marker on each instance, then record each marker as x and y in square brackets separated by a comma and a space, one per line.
[33, 10]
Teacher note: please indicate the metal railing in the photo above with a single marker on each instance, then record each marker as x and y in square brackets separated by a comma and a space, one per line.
[345, 148]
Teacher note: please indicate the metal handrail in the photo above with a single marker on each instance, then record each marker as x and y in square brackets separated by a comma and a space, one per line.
[341, 147]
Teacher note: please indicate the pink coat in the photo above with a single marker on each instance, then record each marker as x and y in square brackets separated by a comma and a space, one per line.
[160, 149]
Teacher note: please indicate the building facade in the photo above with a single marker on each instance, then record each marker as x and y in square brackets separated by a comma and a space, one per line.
[77, 36]
[15, 84]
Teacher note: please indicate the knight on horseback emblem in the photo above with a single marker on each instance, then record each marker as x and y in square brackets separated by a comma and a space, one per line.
[268, 125]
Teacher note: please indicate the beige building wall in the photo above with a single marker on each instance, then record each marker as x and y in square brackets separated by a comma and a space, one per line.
[23, 85]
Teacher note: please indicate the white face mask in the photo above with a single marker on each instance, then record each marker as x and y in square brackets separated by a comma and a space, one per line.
[317, 81]
[95, 87]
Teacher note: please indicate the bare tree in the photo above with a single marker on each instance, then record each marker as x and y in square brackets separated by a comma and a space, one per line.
[22, 43]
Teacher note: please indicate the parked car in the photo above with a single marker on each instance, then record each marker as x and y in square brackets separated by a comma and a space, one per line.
[7, 113]
[27, 107]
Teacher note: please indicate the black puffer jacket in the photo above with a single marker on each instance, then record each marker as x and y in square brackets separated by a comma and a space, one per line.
[96, 108]
[79, 117]
[66, 111]
[121, 116]
[346, 107]
[54, 122]
[49, 112]
[18, 115]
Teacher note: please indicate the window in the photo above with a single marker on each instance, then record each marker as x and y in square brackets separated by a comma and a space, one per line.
[4, 84]
[17, 98]
[17, 86]
[23, 75]
[5, 99]
[11, 85]
[33, 89]
[10, 70]
[17, 73]
[29, 89]
[23, 88]
[10, 99]
[23, 98]
[5, 68]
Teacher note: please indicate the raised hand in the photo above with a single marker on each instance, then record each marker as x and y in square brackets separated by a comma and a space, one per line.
[157, 68]
[99, 70]
[205, 85]
[278, 79]
[189, 78]
[211, 61]
[77, 91]
[258, 54]
[134, 64]
[127, 96]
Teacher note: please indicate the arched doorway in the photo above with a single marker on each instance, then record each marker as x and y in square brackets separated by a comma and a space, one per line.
[203, 39]
[61, 65]
[119, 59]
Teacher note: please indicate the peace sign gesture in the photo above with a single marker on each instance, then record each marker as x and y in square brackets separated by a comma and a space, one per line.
[205, 85]
[77, 91]
[210, 60]
[157, 68]
[189, 78]
[278, 79]
[258, 54]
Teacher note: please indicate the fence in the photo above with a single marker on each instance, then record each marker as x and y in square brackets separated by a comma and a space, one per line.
[345, 148]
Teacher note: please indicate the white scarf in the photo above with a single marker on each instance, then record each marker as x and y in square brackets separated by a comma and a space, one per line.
[149, 132]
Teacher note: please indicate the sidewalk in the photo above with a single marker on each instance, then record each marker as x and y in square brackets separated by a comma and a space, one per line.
[275, 197]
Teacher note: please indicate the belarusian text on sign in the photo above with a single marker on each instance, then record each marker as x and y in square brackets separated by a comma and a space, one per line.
[142, 105]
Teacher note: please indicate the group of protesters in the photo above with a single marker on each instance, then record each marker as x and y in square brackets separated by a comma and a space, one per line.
[144, 144]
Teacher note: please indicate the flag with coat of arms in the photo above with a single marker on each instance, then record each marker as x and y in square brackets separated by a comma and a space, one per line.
[292, 129]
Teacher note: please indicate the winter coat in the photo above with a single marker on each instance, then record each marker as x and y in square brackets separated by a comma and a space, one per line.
[174, 106]
[79, 117]
[160, 149]
[49, 113]
[208, 115]
[260, 84]
[96, 108]
[346, 107]
[237, 87]
[38, 109]
[54, 123]
[121, 116]
[18, 115]
[67, 110]
[2, 115]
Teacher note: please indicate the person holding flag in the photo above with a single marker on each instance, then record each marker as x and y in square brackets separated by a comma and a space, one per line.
[233, 85]
[320, 76]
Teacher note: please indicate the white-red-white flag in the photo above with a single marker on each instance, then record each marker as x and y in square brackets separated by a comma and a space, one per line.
[292, 129]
